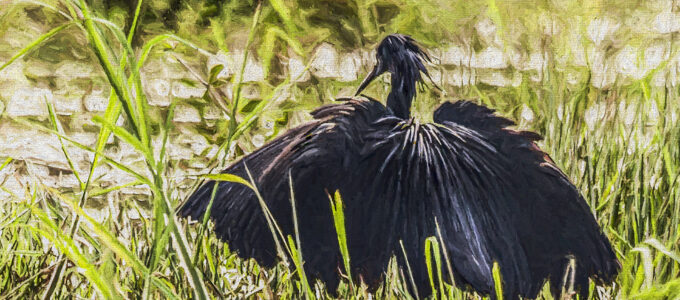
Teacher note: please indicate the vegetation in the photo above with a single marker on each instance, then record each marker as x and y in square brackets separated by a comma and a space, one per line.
[619, 144]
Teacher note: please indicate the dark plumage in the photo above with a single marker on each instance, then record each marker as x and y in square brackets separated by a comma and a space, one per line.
[494, 193]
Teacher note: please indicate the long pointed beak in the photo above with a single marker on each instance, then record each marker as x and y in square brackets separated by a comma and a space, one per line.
[377, 70]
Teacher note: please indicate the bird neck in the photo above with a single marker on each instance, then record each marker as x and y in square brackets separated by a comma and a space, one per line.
[400, 97]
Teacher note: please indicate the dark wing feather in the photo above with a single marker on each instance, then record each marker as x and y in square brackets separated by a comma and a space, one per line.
[320, 156]
[416, 174]
[487, 187]
[236, 212]
[552, 220]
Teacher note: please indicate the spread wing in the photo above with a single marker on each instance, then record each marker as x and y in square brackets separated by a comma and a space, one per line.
[494, 194]
[551, 219]
[320, 156]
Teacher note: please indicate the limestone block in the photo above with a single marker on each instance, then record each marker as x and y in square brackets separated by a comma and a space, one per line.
[296, 69]
[25, 143]
[69, 101]
[38, 69]
[29, 102]
[18, 38]
[15, 186]
[368, 59]
[6, 172]
[85, 138]
[602, 28]
[455, 56]
[516, 56]
[186, 114]
[250, 91]
[178, 152]
[13, 78]
[185, 91]
[165, 67]
[324, 63]
[667, 22]
[253, 72]
[73, 69]
[349, 67]
[490, 58]
[280, 96]
[158, 92]
[461, 77]
[115, 176]
[221, 58]
[62, 179]
[496, 78]
[257, 140]
[195, 142]
[488, 32]
[211, 112]
[96, 101]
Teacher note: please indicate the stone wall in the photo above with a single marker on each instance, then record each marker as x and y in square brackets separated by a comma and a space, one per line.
[64, 72]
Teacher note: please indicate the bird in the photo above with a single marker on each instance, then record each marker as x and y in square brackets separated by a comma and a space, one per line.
[486, 191]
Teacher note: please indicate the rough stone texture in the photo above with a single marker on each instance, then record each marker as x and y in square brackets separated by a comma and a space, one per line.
[221, 58]
[324, 63]
[186, 114]
[29, 102]
[667, 22]
[253, 71]
[489, 58]
[296, 69]
[96, 101]
[25, 143]
[158, 92]
[71, 80]
[349, 67]
[184, 91]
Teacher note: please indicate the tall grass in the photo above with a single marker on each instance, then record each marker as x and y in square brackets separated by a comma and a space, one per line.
[618, 145]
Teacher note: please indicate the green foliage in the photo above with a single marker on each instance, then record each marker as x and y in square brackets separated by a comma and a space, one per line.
[497, 281]
[619, 145]
[338, 212]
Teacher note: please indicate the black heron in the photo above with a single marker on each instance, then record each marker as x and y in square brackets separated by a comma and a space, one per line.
[494, 194]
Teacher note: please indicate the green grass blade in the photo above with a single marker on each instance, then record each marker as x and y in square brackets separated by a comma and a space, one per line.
[229, 178]
[296, 246]
[35, 44]
[67, 246]
[204, 223]
[274, 228]
[5, 163]
[244, 61]
[296, 255]
[282, 10]
[429, 244]
[338, 212]
[408, 267]
[497, 280]
[663, 249]
[647, 264]
[106, 237]
[126, 136]
[115, 77]
[103, 156]
[56, 126]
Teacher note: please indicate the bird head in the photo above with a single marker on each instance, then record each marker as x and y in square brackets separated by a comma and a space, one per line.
[402, 57]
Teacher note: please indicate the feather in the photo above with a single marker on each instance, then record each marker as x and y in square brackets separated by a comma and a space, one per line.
[495, 195]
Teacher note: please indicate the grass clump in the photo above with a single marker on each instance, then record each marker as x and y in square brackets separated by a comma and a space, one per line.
[619, 144]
